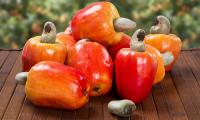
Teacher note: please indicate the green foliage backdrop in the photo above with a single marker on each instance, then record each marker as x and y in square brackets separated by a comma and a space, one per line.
[22, 19]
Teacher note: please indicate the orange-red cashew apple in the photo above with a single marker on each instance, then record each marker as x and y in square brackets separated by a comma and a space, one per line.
[54, 85]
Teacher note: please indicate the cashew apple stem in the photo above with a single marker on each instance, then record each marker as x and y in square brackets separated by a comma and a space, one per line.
[21, 78]
[49, 33]
[161, 25]
[122, 108]
[168, 58]
[136, 43]
[123, 24]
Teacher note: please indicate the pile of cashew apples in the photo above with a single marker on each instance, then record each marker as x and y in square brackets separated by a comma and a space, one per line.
[64, 69]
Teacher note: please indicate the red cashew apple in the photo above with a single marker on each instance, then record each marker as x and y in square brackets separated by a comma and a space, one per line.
[100, 22]
[135, 70]
[93, 60]
[123, 43]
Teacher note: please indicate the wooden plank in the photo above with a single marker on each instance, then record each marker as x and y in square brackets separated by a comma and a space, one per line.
[196, 54]
[138, 113]
[17, 99]
[15, 104]
[106, 99]
[40, 113]
[68, 115]
[3, 56]
[170, 100]
[83, 113]
[193, 59]
[7, 66]
[31, 112]
[187, 88]
[174, 103]
[27, 111]
[9, 84]
[161, 102]
[96, 108]
[47, 114]
[149, 109]
[52, 114]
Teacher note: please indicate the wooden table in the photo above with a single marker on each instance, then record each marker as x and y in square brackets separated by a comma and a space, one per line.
[177, 97]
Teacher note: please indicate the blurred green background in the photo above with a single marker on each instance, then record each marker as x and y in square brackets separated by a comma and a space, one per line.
[22, 19]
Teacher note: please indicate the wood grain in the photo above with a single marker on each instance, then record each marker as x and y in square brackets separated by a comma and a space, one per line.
[187, 88]
[9, 84]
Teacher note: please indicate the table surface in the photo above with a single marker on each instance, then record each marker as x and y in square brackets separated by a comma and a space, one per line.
[176, 97]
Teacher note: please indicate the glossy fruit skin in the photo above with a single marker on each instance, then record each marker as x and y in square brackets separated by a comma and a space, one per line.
[95, 22]
[67, 39]
[135, 72]
[34, 51]
[165, 43]
[54, 85]
[93, 60]
[123, 43]
[68, 31]
[160, 73]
